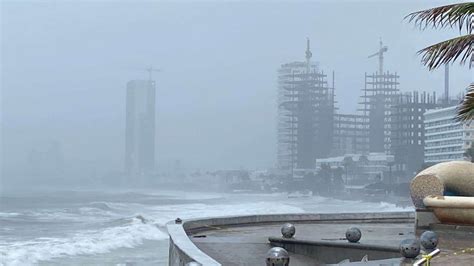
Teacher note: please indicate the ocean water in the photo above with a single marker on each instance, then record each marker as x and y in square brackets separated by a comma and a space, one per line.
[127, 227]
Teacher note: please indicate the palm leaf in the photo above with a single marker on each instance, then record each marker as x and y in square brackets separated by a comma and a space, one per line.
[465, 109]
[445, 16]
[447, 51]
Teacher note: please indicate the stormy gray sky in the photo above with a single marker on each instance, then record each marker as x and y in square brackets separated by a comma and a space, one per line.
[65, 66]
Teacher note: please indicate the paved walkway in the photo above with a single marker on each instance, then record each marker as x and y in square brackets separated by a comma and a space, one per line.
[248, 245]
[457, 248]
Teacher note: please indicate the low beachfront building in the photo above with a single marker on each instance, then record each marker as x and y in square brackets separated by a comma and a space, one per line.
[445, 138]
[361, 168]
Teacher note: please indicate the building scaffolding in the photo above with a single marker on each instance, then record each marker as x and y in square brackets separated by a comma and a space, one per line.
[351, 134]
[387, 122]
[408, 130]
[379, 94]
[305, 115]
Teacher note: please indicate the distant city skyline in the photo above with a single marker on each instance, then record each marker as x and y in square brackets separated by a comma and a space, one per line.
[62, 77]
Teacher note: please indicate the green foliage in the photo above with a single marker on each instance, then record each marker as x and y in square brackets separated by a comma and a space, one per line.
[466, 107]
[447, 51]
[470, 154]
[445, 16]
[459, 15]
[348, 161]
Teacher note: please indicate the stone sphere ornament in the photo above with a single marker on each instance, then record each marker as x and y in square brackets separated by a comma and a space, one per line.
[410, 248]
[288, 230]
[277, 257]
[353, 234]
[429, 240]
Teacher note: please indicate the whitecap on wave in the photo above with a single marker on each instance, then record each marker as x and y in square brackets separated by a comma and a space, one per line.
[165, 213]
[8, 214]
[86, 242]
[170, 194]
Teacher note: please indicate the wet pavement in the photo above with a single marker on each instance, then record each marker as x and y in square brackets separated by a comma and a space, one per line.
[247, 245]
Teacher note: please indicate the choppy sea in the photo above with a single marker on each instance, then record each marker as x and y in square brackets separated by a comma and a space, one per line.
[59, 227]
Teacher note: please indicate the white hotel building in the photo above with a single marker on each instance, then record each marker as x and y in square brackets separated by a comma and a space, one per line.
[445, 138]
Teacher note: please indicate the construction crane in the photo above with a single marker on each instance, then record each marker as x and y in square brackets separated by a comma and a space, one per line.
[150, 70]
[382, 50]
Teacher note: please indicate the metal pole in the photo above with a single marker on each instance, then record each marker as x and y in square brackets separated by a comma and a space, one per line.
[446, 83]
[427, 258]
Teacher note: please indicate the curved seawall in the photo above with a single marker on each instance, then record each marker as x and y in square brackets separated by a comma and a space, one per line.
[182, 250]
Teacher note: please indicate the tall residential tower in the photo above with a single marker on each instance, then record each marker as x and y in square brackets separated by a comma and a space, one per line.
[140, 128]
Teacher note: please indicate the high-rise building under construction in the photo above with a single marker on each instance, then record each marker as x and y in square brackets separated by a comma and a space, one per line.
[379, 95]
[305, 114]
[388, 121]
[407, 136]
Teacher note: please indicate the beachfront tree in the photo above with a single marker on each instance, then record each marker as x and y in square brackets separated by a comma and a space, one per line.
[461, 48]
[469, 153]
[363, 159]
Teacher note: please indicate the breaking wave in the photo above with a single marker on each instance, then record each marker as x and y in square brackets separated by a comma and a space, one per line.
[128, 235]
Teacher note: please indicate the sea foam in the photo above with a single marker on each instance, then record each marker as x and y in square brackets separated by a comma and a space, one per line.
[86, 242]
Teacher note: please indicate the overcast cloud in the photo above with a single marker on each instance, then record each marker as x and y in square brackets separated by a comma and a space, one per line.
[65, 66]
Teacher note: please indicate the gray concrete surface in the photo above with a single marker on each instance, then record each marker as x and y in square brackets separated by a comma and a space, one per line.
[183, 250]
[245, 240]
[228, 244]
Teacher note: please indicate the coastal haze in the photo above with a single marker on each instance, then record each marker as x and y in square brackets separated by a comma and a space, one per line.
[118, 117]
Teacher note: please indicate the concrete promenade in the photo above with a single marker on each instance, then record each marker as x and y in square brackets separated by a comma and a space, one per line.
[247, 245]
[319, 239]
[244, 240]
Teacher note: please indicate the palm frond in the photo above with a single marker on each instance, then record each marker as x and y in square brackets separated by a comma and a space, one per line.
[465, 110]
[461, 14]
[447, 51]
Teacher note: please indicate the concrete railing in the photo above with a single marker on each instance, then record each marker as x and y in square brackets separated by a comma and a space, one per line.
[182, 249]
